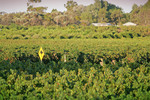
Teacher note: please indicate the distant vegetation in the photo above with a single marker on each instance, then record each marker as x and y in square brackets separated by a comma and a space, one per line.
[101, 11]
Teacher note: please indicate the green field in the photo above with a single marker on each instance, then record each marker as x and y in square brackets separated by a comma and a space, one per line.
[104, 48]
[72, 32]
[71, 69]
[96, 51]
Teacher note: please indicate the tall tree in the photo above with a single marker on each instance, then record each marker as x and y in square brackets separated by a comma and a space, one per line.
[34, 1]
[147, 5]
[97, 4]
[141, 15]
[7, 19]
[61, 20]
[116, 16]
[134, 14]
[135, 6]
[105, 5]
[103, 14]
[37, 9]
[70, 4]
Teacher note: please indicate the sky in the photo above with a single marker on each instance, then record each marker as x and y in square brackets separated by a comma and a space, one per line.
[10, 6]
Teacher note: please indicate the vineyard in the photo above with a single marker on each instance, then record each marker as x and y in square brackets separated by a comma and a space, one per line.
[85, 66]
[72, 32]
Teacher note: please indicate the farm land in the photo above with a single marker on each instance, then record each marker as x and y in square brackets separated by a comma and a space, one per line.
[80, 62]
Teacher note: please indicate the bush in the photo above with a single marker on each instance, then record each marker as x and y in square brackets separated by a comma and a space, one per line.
[17, 37]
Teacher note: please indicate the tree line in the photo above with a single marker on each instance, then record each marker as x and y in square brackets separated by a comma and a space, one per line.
[99, 12]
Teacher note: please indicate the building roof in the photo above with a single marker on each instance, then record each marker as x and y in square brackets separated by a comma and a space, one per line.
[129, 24]
[101, 24]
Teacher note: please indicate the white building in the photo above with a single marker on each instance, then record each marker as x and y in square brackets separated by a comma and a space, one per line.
[101, 24]
[129, 24]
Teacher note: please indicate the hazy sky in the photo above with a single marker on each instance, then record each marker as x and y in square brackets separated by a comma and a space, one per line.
[21, 5]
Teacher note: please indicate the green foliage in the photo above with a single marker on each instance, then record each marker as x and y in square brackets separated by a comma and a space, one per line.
[70, 4]
[116, 16]
[34, 1]
[39, 10]
[75, 14]
[94, 68]
[140, 15]
[72, 32]
[147, 5]
[99, 12]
